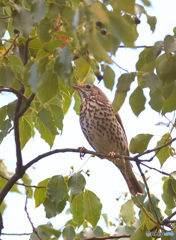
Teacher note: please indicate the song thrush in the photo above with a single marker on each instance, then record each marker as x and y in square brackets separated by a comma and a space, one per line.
[104, 131]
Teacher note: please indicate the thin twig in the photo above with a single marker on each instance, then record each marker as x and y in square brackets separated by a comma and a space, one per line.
[148, 192]
[152, 168]
[16, 92]
[22, 184]
[120, 66]
[107, 237]
[11, 46]
[26, 210]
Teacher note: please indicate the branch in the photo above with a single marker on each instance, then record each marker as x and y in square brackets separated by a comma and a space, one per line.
[28, 102]
[26, 49]
[11, 46]
[25, 208]
[153, 150]
[107, 237]
[148, 192]
[16, 92]
[22, 184]
[17, 132]
[152, 168]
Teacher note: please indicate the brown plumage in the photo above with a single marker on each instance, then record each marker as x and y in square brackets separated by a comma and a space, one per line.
[104, 131]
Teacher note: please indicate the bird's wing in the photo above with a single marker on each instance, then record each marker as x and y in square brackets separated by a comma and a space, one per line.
[121, 124]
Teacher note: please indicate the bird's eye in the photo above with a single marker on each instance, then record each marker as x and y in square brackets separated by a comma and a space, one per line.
[88, 86]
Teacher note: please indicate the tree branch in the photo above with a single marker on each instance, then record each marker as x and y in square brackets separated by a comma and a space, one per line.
[32, 225]
[16, 92]
[11, 46]
[107, 237]
[17, 132]
[28, 102]
[22, 184]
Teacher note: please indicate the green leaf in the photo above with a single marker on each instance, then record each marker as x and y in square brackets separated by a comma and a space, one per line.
[77, 209]
[26, 131]
[124, 82]
[144, 63]
[3, 24]
[3, 113]
[48, 83]
[169, 104]
[126, 6]
[50, 208]
[63, 66]
[92, 207]
[38, 10]
[108, 76]
[149, 208]
[127, 212]
[137, 101]
[44, 132]
[76, 183]
[139, 143]
[40, 193]
[8, 76]
[16, 64]
[68, 233]
[45, 232]
[118, 101]
[22, 21]
[97, 49]
[98, 9]
[150, 80]
[50, 46]
[156, 100]
[165, 67]
[140, 234]
[27, 181]
[169, 195]
[151, 20]
[44, 30]
[58, 115]
[57, 189]
[98, 232]
[5, 126]
[33, 77]
[169, 44]
[82, 68]
[46, 117]
[164, 152]
[123, 28]
[146, 3]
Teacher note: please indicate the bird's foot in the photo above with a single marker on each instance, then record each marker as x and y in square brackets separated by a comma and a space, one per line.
[111, 156]
[81, 150]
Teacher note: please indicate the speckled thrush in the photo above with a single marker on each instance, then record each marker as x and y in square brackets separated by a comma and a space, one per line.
[104, 131]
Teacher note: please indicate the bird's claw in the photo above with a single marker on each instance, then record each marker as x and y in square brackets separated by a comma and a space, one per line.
[81, 150]
[112, 155]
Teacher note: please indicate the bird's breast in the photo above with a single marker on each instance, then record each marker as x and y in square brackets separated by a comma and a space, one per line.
[101, 128]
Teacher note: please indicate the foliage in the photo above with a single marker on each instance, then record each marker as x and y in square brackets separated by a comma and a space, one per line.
[47, 45]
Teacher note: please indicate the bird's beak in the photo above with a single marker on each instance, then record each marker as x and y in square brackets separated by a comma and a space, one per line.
[76, 87]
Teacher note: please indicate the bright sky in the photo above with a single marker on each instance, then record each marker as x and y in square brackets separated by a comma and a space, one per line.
[105, 179]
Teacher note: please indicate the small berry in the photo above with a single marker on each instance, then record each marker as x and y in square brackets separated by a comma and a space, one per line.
[103, 31]
[137, 20]
[98, 23]
[99, 76]
[15, 31]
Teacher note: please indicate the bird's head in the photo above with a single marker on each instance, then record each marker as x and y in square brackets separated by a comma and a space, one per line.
[89, 91]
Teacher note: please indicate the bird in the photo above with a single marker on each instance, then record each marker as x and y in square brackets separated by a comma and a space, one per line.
[105, 132]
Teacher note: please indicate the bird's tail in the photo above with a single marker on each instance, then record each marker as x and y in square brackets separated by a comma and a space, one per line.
[133, 184]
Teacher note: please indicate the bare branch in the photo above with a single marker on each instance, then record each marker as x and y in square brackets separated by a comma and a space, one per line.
[148, 192]
[16, 92]
[28, 102]
[17, 132]
[26, 210]
[11, 46]
[152, 168]
[26, 49]
[22, 184]
[107, 237]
